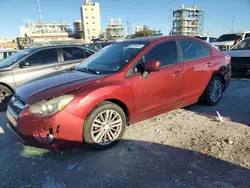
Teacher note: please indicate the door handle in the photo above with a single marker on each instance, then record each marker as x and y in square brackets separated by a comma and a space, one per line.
[57, 68]
[209, 64]
[178, 73]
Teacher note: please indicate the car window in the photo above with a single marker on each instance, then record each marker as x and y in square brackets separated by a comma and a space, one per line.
[1, 56]
[243, 45]
[42, 57]
[247, 35]
[191, 50]
[206, 51]
[165, 52]
[72, 53]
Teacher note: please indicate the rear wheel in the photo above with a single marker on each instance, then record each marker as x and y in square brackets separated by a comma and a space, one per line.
[5, 95]
[214, 91]
[105, 125]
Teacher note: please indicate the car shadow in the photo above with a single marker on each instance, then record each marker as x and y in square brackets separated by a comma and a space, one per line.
[233, 105]
[131, 163]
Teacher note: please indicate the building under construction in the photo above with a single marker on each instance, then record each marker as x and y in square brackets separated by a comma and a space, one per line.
[188, 21]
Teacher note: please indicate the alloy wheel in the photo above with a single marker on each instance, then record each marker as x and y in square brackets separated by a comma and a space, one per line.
[106, 127]
[215, 90]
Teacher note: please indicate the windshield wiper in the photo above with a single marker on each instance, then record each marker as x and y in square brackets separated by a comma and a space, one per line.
[89, 71]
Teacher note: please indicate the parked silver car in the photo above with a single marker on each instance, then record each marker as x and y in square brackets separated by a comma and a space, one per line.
[35, 62]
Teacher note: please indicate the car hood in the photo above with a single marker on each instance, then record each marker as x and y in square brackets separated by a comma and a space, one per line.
[239, 53]
[55, 85]
[224, 43]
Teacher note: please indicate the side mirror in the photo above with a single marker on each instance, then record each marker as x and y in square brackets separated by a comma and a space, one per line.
[24, 64]
[150, 66]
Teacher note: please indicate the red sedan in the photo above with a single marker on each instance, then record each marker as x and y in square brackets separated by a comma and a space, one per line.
[121, 84]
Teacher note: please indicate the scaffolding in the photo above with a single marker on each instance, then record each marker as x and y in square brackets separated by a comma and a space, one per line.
[115, 31]
[188, 21]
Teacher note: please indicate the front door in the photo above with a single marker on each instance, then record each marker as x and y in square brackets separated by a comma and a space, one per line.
[39, 64]
[162, 89]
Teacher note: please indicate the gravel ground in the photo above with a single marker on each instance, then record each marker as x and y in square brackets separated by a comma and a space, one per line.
[184, 148]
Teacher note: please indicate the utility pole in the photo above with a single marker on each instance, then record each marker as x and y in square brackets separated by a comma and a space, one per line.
[233, 21]
[128, 28]
[172, 16]
[40, 18]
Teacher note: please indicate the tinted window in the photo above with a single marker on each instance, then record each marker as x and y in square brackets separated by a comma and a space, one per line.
[205, 50]
[165, 52]
[72, 53]
[211, 39]
[43, 57]
[191, 50]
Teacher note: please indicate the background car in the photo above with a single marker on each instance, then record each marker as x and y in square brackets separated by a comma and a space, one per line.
[32, 63]
[227, 41]
[4, 53]
[240, 55]
[121, 84]
[208, 39]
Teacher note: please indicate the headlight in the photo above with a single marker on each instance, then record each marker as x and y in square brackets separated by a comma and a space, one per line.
[49, 107]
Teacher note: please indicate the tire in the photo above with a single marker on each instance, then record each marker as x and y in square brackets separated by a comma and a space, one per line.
[213, 100]
[5, 96]
[93, 125]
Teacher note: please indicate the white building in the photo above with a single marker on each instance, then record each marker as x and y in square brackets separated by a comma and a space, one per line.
[55, 31]
[91, 20]
[139, 28]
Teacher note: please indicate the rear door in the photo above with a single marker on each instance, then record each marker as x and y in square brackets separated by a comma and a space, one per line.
[72, 56]
[40, 63]
[162, 89]
[198, 63]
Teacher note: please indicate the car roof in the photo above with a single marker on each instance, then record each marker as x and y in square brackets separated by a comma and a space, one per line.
[157, 38]
[58, 46]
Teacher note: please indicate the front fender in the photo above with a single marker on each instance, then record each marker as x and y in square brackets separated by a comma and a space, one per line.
[87, 98]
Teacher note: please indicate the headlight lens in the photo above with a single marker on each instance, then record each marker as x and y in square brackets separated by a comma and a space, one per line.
[49, 107]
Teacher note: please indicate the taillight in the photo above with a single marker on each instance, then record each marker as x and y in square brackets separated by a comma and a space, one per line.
[228, 58]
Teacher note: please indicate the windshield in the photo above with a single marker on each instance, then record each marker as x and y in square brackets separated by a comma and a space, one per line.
[243, 45]
[14, 58]
[111, 58]
[229, 37]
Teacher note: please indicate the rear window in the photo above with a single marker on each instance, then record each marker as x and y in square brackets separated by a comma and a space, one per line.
[243, 45]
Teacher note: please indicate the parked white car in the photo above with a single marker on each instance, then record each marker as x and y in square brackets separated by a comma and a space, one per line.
[4, 53]
[226, 42]
[240, 58]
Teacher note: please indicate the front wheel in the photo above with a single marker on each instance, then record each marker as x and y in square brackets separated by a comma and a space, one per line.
[5, 95]
[214, 91]
[105, 125]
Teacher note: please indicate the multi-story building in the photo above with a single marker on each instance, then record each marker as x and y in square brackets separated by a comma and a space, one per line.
[55, 31]
[91, 21]
[115, 30]
[188, 21]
